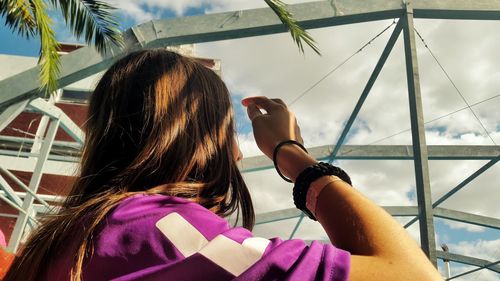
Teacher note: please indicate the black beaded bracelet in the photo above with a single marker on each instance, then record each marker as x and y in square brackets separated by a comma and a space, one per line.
[275, 155]
[309, 175]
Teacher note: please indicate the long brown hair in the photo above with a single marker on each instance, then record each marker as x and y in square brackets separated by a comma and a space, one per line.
[158, 123]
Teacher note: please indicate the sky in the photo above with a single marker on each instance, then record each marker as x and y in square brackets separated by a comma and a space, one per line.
[272, 66]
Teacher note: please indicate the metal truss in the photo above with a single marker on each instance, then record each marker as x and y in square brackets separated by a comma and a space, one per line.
[21, 90]
[37, 159]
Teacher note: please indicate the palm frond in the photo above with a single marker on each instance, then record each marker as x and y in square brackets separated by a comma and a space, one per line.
[18, 16]
[92, 20]
[49, 58]
[296, 31]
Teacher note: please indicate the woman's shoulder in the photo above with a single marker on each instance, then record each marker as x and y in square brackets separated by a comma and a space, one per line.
[144, 205]
[147, 211]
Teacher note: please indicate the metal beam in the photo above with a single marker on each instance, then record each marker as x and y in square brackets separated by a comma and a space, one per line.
[21, 221]
[467, 260]
[9, 192]
[487, 266]
[19, 149]
[384, 152]
[371, 81]
[13, 199]
[467, 218]
[37, 210]
[263, 21]
[23, 186]
[55, 166]
[274, 216]
[401, 211]
[231, 25]
[347, 152]
[5, 215]
[246, 23]
[68, 144]
[396, 211]
[25, 154]
[291, 213]
[62, 164]
[75, 66]
[11, 112]
[426, 220]
[15, 206]
[55, 112]
[297, 225]
[47, 197]
[459, 186]
[457, 9]
[67, 165]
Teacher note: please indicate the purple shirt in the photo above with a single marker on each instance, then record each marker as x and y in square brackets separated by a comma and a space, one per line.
[157, 237]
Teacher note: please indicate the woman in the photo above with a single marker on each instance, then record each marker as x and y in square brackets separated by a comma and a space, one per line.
[158, 173]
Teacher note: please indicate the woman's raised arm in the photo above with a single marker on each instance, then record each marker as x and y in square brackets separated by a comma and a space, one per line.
[381, 249]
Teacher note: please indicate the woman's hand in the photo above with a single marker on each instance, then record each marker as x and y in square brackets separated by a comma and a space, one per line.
[272, 127]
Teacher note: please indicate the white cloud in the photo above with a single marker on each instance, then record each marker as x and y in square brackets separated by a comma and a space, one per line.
[468, 227]
[140, 10]
[481, 275]
[134, 10]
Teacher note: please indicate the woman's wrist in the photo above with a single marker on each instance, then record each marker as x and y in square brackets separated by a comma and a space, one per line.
[315, 190]
[292, 160]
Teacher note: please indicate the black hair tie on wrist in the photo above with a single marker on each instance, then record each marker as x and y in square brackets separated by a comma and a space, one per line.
[309, 175]
[275, 155]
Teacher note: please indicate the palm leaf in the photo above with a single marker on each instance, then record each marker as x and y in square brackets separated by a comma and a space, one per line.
[298, 34]
[49, 58]
[18, 17]
[92, 20]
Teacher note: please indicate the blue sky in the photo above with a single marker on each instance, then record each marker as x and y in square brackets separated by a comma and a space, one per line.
[13, 44]
[376, 118]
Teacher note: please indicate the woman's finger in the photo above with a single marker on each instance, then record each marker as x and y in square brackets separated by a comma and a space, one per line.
[253, 111]
[280, 101]
[298, 133]
[261, 102]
